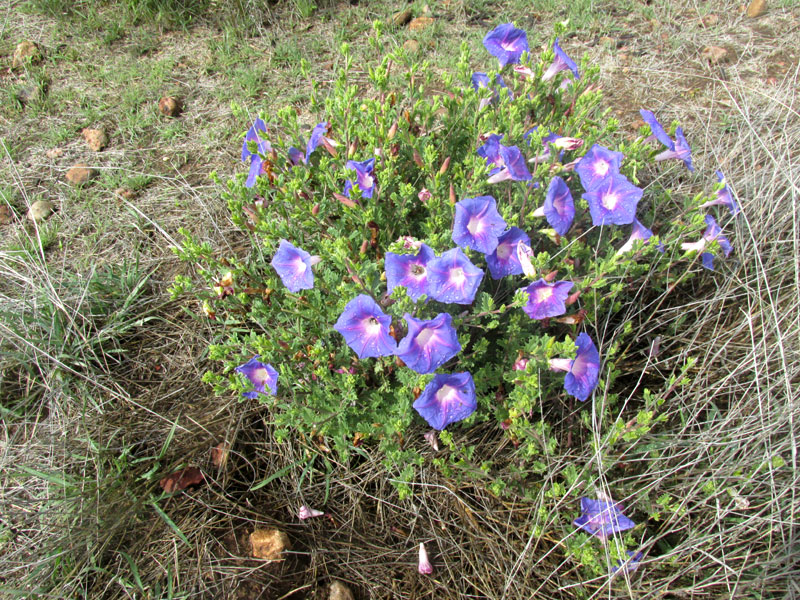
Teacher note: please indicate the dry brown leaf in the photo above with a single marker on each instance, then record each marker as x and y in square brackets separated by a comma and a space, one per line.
[180, 480]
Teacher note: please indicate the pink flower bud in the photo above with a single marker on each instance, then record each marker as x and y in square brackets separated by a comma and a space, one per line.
[425, 567]
[307, 513]
[520, 364]
[424, 195]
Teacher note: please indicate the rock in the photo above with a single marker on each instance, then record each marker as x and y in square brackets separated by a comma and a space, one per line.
[269, 544]
[411, 46]
[402, 17]
[29, 93]
[125, 193]
[6, 214]
[95, 138]
[39, 210]
[170, 107]
[80, 174]
[54, 153]
[26, 52]
[756, 8]
[716, 54]
[420, 23]
[339, 591]
[709, 20]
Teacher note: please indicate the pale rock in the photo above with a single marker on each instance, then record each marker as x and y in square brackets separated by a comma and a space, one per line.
[269, 544]
[420, 23]
[339, 591]
[26, 51]
[402, 17]
[40, 210]
[411, 46]
[756, 8]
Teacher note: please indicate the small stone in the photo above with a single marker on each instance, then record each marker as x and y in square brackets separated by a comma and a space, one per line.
[716, 54]
[420, 23]
[269, 544]
[709, 20]
[39, 210]
[95, 138]
[27, 94]
[26, 51]
[169, 106]
[125, 193]
[80, 174]
[6, 214]
[411, 46]
[402, 17]
[54, 153]
[756, 8]
[339, 591]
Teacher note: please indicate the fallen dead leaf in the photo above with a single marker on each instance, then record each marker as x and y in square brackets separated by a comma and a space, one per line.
[219, 455]
[180, 480]
[6, 214]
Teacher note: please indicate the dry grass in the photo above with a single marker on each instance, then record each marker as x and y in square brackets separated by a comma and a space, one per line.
[726, 456]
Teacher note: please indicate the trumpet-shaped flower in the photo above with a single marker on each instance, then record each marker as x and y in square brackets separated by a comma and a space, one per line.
[409, 270]
[424, 565]
[255, 134]
[504, 261]
[364, 177]
[678, 148]
[317, 138]
[477, 224]
[601, 518]
[561, 62]
[428, 344]
[294, 267]
[712, 232]
[613, 201]
[262, 375]
[524, 254]
[629, 565]
[453, 279]
[506, 43]
[583, 371]
[490, 151]
[295, 156]
[365, 328]
[547, 299]
[447, 399]
[597, 164]
[514, 166]
[639, 232]
[308, 513]
[559, 208]
[724, 197]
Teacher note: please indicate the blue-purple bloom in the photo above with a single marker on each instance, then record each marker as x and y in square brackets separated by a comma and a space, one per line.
[428, 344]
[678, 148]
[409, 270]
[613, 201]
[255, 134]
[294, 267]
[453, 279]
[507, 43]
[364, 177]
[724, 197]
[262, 375]
[477, 224]
[366, 328]
[583, 371]
[559, 208]
[481, 80]
[639, 232]
[712, 232]
[547, 299]
[561, 62]
[447, 399]
[629, 565]
[601, 518]
[491, 152]
[514, 166]
[597, 164]
[503, 261]
[295, 156]
[317, 138]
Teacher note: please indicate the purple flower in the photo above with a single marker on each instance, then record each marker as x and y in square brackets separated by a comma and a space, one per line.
[255, 134]
[447, 399]
[561, 62]
[364, 177]
[558, 206]
[317, 138]
[477, 224]
[295, 156]
[724, 197]
[629, 565]
[639, 232]
[597, 164]
[601, 518]
[261, 375]
[409, 270]
[503, 261]
[514, 166]
[712, 232]
[547, 299]
[583, 371]
[366, 328]
[507, 43]
[428, 344]
[679, 148]
[453, 279]
[294, 267]
[613, 201]
[481, 80]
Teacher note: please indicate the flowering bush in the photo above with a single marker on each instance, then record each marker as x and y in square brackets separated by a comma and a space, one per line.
[365, 284]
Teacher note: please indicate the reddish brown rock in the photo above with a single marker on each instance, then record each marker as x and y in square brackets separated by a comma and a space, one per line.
[420, 23]
[170, 107]
[6, 214]
[716, 54]
[95, 138]
[80, 174]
